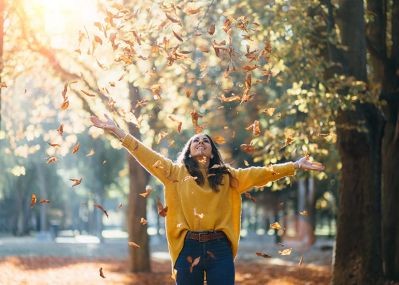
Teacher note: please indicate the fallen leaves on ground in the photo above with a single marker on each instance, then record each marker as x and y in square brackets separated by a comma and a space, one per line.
[62, 271]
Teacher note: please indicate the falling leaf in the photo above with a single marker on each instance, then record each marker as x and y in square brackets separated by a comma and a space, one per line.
[101, 208]
[300, 261]
[161, 210]
[143, 221]
[44, 201]
[255, 127]
[76, 181]
[3, 85]
[249, 196]
[64, 91]
[133, 244]
[172, 19]
[51, 159]
[193, 262]
[268, 111]
[91, 153]
[193, 11]
[247, 148]
[65, 104]
[304, 213]
[286, 251]
[219, 139]
[211, 255]
[229, 99]
[98, 40]
[227, 26]
[60, 129]
[120, 205]
[211, 29]
[275, 226]
[177, 36]
[54, 144]
[148, 190]
[264, 255]
[101, 272]
[156, 91]
[33, 200]
[75, 148]
[87, 93]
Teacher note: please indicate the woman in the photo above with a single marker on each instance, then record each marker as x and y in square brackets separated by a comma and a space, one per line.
[203, 196]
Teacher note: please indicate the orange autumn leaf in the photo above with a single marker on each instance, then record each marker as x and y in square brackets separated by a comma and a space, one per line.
[44, 201]
[60, 129]
[268, 111]
[75, 148]
[98, 40]
[101, 272]
[255, 127]
[286, 251]
[98, 206]
[247, 148]
[64, 91]
[264, 255]
[65, 104]
[275, 226]
[76, 181]
[193, 262]
[51, 159]
[172, 19]
[229, 99]
[219, 139]
[249, 67]
[33, 200]
[211, 29]
[148, 190]
[193, 11]
[133, 244]
[161, 210]
[143, 221]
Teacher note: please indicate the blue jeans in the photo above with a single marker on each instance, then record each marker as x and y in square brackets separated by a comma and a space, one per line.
[216, 262]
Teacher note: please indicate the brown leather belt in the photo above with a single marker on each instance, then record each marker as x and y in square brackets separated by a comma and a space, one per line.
[205, 236]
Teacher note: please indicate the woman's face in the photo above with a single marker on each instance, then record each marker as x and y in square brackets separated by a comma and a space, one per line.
[201, 146]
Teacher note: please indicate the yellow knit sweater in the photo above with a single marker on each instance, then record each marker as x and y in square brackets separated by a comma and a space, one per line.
[198, 208]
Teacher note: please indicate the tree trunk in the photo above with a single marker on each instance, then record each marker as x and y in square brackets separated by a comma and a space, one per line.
[385, 74]
[139, 258]
[359, 131]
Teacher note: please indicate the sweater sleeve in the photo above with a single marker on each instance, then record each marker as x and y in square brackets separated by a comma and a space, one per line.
[155, 163]
[260, 176]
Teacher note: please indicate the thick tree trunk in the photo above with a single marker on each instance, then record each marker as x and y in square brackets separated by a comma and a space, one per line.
[139, 258]
[359, 131]
[385, 74]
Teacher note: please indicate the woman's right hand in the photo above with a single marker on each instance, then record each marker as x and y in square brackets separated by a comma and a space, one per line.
[107, 125]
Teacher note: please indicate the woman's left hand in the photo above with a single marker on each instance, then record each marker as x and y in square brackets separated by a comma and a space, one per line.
[305, 164]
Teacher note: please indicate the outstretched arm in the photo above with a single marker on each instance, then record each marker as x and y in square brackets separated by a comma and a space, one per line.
[153, 162]
[260, 176]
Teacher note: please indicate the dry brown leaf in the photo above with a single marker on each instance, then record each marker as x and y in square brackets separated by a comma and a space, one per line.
[98, 206]
[76, 181]
[247, 148]
[33, 200]
[249, 196]
[44, 201]
[102, 273]
[52, 159]
[148, 190]
[286, 251]
[60, 129]
[178, 36]
[219, 140]
[264, 255]
[275, 226]
[65, 104]
[133, 244]
[211, 29]
[161, 210]
[143, 221]
[75, 148]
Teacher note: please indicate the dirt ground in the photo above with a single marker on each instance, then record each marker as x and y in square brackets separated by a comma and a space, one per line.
[76, 271]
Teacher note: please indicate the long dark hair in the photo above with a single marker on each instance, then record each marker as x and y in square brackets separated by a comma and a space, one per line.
[216, 168]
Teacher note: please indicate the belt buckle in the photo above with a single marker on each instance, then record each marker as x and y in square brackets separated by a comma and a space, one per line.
[200, 235]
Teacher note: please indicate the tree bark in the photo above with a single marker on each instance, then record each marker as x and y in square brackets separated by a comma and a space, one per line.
[359, 132]
[385, 67]
[139, 258]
